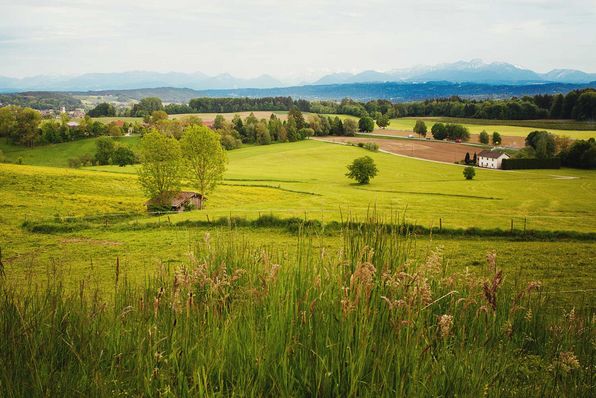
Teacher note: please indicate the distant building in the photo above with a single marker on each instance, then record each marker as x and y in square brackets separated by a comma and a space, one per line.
[180, 202]
[72, 124]
[491, 159]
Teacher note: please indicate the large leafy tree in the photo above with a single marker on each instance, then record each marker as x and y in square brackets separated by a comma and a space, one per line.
[161, 166]
[103, 109]
[205, 157]
[20, 125]
[104, 150]
[366, 124]
[350, 127]
[362, 170]
[383, 121]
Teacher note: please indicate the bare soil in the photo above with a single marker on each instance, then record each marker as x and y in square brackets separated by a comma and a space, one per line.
[508, 141]
[430, 150]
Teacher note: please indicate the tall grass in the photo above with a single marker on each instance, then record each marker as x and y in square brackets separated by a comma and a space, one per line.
[240, 320]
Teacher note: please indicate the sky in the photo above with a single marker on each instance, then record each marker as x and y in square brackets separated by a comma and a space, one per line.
[291, 40]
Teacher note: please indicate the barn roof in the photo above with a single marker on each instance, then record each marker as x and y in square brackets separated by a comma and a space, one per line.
[491, 154]
[178, 199]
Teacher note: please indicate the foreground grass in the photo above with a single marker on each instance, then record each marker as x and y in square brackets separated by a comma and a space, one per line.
[241, 319]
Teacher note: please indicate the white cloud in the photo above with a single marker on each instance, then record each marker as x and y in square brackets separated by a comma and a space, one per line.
[290, 38]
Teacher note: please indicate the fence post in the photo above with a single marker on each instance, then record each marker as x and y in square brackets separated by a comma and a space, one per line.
[525, 224]
[512, 225]
[440, 224]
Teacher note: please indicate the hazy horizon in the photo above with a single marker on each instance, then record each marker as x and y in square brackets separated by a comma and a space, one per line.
[290, 41]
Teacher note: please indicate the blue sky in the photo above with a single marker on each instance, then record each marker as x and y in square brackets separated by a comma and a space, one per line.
[290, 39]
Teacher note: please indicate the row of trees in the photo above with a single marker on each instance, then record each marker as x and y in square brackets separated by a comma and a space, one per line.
[165, 161]
[544, 145]
[577, 104]
[25, 126]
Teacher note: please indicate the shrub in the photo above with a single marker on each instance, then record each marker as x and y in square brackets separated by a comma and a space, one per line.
[483, 137]
[520, 164]
[469, 172]
[123, 156]
[371, 146]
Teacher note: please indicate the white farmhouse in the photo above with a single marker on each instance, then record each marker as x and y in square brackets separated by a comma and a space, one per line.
[491, 159]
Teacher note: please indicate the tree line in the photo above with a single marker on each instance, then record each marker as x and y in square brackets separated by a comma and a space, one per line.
[25, 126]
[576, 104]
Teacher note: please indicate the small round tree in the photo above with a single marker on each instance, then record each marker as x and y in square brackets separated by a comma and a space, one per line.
[420, 128]
[362, 170]
[483, 137]
[469, 172]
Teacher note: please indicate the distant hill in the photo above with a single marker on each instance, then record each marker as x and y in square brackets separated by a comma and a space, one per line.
[474, 71]
[397, 92]
[133, 80]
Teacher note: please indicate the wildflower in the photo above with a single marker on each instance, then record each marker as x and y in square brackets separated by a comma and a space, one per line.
[155, 306]
[445, 324]
[490, 290]
[491, 259]
[508, 328]
[534, 285]
[566, 362]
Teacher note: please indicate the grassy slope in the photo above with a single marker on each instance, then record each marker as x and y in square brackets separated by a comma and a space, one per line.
[57, 155]
[427, 190]
[423, 188]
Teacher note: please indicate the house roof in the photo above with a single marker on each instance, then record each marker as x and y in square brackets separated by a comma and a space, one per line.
[178, 199]
[491, 154]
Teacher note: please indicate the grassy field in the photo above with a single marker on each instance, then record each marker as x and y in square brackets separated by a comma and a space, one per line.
[56, 155]
[309, 177]
[266, 180]
[141, 305]
[507, 128]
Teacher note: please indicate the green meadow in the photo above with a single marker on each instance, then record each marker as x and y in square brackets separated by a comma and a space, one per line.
[513, 128]
[309, 177]
[304, 180]
[97, 297]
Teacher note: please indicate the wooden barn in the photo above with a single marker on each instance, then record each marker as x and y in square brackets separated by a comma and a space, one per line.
[180, 202]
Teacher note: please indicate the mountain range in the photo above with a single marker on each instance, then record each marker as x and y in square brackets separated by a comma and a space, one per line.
[393, 91]
[134, 80]
[474, 71]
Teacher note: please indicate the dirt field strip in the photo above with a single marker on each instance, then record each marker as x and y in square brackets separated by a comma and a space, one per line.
[508, 141]
[429, 150]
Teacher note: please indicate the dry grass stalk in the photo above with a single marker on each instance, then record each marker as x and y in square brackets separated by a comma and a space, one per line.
[445, 325]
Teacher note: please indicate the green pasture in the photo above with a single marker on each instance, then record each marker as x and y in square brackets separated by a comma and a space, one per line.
[304, 179]
[56, 155]
[476, 126]
[309, 177]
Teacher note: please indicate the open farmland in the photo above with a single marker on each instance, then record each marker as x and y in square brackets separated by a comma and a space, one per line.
[449, 152]
[476, 126]
[309, 176]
